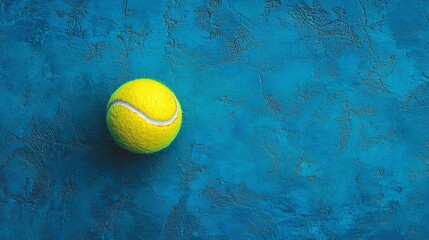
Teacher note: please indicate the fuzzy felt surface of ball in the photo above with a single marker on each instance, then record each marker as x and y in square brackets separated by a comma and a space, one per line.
[143, 116]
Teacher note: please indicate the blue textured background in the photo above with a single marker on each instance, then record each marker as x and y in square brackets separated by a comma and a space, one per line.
[302, 119]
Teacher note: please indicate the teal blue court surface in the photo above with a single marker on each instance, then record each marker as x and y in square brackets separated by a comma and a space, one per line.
[302, 119]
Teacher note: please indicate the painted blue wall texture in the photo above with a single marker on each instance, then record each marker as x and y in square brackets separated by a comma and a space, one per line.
[303, 119]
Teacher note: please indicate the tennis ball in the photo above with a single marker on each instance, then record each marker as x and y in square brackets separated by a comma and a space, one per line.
[143, 116]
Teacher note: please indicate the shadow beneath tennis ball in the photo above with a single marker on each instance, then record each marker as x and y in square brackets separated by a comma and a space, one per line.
[108, 151]
[117, 155]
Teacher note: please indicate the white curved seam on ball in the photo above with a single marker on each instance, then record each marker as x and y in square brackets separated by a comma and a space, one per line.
[144, 116]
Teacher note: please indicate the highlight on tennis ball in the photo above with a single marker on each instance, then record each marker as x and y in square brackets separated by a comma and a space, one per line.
[143, 116]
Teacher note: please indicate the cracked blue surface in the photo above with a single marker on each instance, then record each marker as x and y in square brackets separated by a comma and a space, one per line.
[302, 119]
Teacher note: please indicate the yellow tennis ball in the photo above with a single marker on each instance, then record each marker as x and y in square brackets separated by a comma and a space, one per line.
[143, 116]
